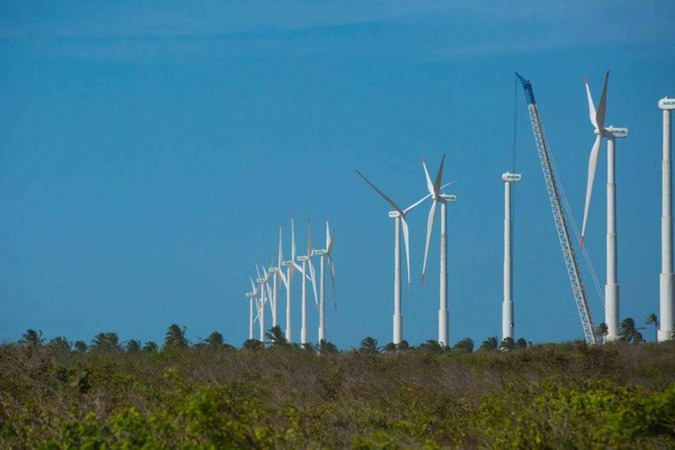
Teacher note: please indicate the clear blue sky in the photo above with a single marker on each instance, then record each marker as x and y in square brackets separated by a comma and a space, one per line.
[149, 151]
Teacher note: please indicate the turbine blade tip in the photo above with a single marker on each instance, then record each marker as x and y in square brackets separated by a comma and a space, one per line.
[422, 282]
[581, 242]
[585, 80]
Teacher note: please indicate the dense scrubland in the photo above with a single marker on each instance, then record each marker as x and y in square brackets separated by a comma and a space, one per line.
[215, 396]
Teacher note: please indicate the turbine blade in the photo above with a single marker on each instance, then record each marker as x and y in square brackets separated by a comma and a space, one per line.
[592, 166]
[591, 106]
[309, 238]
[312, 275]
[414, 205]
[281, 251]
[283, 277]
[328, 239]
[430, 185]
[406, 242]
[382, 194]
[600, 116]
[430, 226]
[439, 176]
[331, 269]
[293, 249]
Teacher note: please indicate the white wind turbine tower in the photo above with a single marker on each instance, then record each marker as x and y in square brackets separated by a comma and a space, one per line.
[252, 298]
[287, 278]
[507, 304]
[324, 254]
[264, 288]
[399, 216]
[438, 197]
[305, 260]
[611, 133]
[666, 303]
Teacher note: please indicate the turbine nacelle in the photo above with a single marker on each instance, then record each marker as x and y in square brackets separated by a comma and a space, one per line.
[319, 252]
[509, 177]
[667, 103]
[250, 294]
[617, 132]
[303, 258]
[394, 214]
[286, 263]
[448, 198]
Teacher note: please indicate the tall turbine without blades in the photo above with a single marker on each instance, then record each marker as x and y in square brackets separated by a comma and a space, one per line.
[325, 254]
[610, 133]
[666, 297]
[507, 304]
[438, 197]
[400, 223]
[306, 261]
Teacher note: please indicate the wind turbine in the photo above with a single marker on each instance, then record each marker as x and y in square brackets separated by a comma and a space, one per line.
[324, 254]
[438, 197]
[252, 298]
[507, 304]
[610, 133]
[666, 303]
[287, 278]
[400, 223]
[305, 260]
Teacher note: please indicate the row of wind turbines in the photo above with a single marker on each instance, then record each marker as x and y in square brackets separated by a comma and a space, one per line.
[268, 280]
[262, 293]
[611, 298]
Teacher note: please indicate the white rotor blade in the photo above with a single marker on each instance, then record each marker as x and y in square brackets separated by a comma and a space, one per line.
[293, 249]
[329, 249]
[280, 257]
[283, 277]
[312, 275]
[328, 239]
[439, 176]
[331, 269]
[592, 166]
[430, 226]
[430, 185]
[382, 194]
[591, 106]
[600, 116]
[420, 201]
[406, 242]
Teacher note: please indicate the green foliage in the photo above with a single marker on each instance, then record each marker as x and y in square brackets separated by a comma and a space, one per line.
[464, 346]
[489, 344]
[570, 395]
[175, 337]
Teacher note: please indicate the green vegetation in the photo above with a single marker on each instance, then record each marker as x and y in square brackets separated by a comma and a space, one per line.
[211, 395]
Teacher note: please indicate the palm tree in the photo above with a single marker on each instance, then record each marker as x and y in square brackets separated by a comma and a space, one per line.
[507, 344]
[326, 347]
[133, 346]
[253, 344]
[369, 345]
[432, 346]
[521, 343]
[215, 340]
[150, 347]
[276, 337]
[175, 337]
[464, 346]
[601, 331]
[629, 333]
[60, 344]
[80, 347]
[489, 344]
[32, 338]
[654, 320]
[107, 341]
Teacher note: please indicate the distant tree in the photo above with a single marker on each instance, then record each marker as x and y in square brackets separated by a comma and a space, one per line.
[369, 345]
[175, 337]
[80, 347]
[133, 346]
[389, 348]
[327, 348]
[403, 345]
[108, 341]
[654, 320]
[507, 344]
[489, 344]
[629, 333]
[601, 331]
[276, 337]
[432, 346]
[521, 343]
[32, 338]
[252, 344]
[60, 344]
[464, 346]
[215, 340]
[150, 347]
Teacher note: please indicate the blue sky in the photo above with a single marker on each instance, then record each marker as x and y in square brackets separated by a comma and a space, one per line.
[149, 153]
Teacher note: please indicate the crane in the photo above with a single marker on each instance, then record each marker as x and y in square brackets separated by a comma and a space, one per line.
[558, 214]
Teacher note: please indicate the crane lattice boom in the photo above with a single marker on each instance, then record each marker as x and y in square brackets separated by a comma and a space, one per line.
[558, 215]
